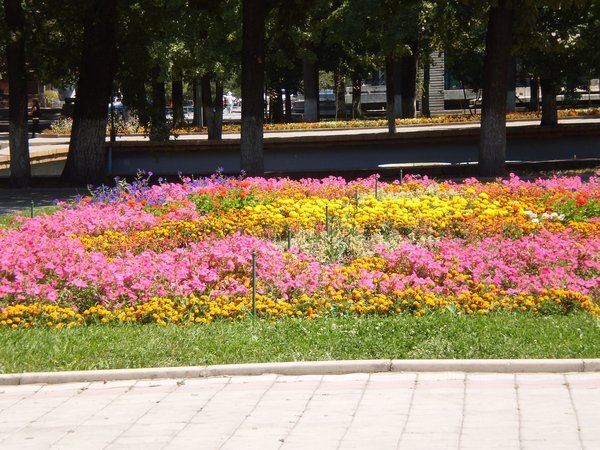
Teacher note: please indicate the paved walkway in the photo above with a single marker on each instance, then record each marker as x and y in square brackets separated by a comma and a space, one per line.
[15, 200]
[447, 410]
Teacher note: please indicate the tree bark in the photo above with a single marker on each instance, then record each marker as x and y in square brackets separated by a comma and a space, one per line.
[425, 108]
[208, 108]
[390, 94]
[356, 98]
[276, 105]
[20, 168]
[288, 105]
[511, 98]
[135, 97]
[254, 14]
[213, 109]
[311, 91]
[492, 146]
[86, 159]
[340, 96]
[217, 133]
[397, 83]
[549, 106]
[159, 130]
[198, 122]
[534, 94]
[177, 95]
[408, 88]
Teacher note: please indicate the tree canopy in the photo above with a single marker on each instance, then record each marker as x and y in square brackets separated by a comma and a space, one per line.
[152, 44]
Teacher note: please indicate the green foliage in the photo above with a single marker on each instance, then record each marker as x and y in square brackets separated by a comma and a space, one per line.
[463, 28]
[233, 199]
[123, 126]
[13, 220]
[581, 209]
[559, 46]
[441, 335]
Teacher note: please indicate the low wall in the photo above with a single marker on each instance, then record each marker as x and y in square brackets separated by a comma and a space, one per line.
[353, 152]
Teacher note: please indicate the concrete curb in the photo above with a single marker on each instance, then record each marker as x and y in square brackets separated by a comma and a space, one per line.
[312, 368]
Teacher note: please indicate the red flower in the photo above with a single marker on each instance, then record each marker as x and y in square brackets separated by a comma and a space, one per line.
[581, 200]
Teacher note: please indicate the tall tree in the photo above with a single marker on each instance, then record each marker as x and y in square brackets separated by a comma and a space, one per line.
[85, 161]
[560, 51]
[408, 86]
[177, 97]
[20, 169]
[492, 145]
[311, 90]
[254, 13]
[462, 31]
[159, 129]
[390, 93]
[212, 108]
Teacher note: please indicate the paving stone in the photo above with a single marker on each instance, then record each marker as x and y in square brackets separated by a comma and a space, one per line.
[364, 411]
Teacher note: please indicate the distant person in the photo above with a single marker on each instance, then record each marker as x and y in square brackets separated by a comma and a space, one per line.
[229, 101]
[35, 115]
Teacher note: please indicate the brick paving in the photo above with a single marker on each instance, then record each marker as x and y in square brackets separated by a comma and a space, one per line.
[447, 410]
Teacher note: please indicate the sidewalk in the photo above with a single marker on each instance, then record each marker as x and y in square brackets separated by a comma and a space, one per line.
[14, 200]
[407, 410]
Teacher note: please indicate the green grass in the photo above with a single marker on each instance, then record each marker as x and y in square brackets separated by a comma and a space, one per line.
[440, 335]
[8, 220]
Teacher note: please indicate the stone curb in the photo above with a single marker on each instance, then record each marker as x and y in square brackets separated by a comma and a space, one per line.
[311, 368]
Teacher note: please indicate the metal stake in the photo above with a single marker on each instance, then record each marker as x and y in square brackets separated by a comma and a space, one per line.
[327, 220]
[289, 239]
[32, 209]
[254, 284]
[401, 176]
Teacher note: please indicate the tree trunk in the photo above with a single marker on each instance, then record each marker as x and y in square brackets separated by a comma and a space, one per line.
[254, 13]
[390, 94]
[213, 109]
[425, 107]
[177, 95]
[86, 160]
[288, 105]
[311, 91]
[549, 107]
[20, 168]
[356, 98]
[340, 96]
[511, 98]
[534, 94]
[159, 130]
[198, 122]
[409, 83]
[135, 98]
[397, 83]
[217, 127]
[492, 146]
[208, 108]
[276, 105]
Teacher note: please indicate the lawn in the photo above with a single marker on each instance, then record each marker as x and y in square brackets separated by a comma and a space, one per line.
[173, 273]
[437, 335]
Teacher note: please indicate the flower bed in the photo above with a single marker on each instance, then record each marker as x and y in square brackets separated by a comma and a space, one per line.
[63, 126]
[182, 253]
